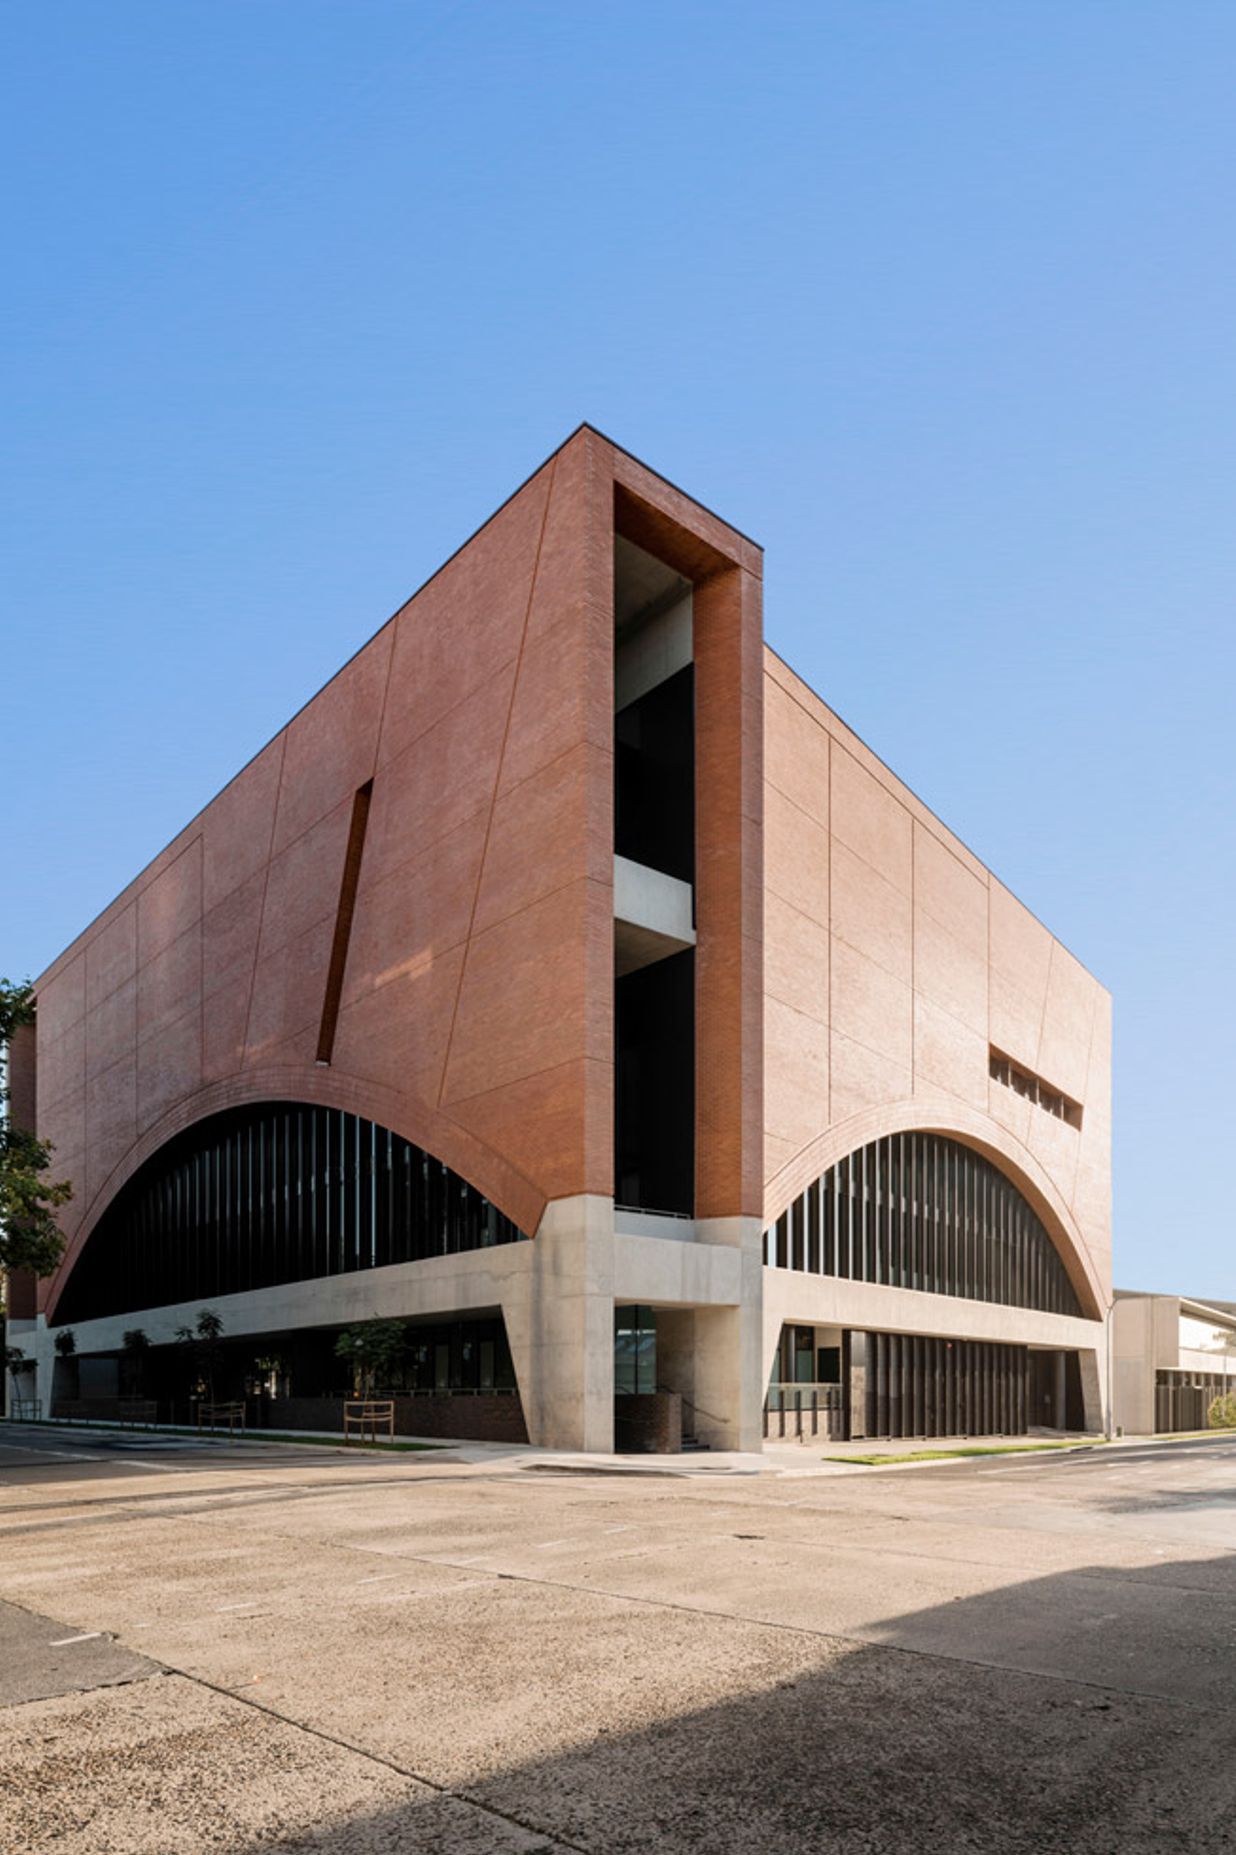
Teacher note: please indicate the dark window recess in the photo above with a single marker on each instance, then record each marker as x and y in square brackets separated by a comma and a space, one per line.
[795, 1362]
[922, 1211]
[654, 1086]
[828, 1366]
[276, 1192]
[348, 885]
[1002, 1069]
[654, 778]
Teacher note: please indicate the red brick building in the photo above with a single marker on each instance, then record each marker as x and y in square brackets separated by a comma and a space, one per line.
[567, 981]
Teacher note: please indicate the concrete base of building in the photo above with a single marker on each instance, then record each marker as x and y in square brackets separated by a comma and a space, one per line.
[556, 1295]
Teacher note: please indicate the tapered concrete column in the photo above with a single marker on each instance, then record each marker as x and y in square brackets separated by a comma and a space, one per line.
[559, 1318]
[676, 1342]
[35, 1341]
[729, 1345]
[773, 1323]
[1093, 1368]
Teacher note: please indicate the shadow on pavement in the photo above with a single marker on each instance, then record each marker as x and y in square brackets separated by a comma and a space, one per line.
[867, 1748]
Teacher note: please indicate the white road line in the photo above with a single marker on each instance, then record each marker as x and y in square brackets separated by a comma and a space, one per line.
[42, 1449]
[250, 1605]
[62, 1641]
[156, 1468]
[420, 1597]
[379, 1577]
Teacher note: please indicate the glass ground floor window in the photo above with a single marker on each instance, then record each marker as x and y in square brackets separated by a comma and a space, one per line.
[455, 1356]
[635, 1349]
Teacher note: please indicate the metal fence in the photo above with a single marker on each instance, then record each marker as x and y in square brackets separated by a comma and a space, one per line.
[1182, 1400]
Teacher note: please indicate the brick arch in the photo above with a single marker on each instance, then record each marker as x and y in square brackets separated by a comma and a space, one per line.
[404, 1114]
[972, 1129]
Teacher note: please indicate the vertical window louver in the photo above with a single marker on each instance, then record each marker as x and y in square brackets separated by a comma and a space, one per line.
[922, 1211]
[273, 1193]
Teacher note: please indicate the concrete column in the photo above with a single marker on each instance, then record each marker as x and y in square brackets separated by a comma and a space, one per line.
[559, 1318]
[1060, 1394]
[676, 1344]
[857, 1388]
[1092, 1376]
[35, 1378]
[729, 1345]
[774, 1324]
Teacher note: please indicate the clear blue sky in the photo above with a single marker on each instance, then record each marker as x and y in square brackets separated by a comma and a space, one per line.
[938, 301]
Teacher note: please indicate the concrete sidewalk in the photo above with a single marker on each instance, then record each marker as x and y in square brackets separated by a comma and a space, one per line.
[798, 1457]
[251, 1647]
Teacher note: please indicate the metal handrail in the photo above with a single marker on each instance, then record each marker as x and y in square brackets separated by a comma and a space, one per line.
[650, 1210]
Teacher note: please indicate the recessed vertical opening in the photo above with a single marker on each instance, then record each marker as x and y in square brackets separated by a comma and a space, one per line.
[654, 722]
[654, 1093]
[348, 886]
[654, 827]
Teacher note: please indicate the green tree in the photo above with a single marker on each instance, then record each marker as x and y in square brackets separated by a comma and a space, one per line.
[203, 1341]
[1222, 1412]
[136, 1345]
[373, 1349]
[30, 1237]
[66, 1383]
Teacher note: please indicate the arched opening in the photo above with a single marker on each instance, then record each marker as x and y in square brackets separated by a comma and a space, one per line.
[270, 1193]
[923, 1211]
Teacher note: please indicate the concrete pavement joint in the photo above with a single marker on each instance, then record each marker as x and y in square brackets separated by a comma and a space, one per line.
[792, 1629]
[162, 1667]
[869, 1548]
[551, 1841]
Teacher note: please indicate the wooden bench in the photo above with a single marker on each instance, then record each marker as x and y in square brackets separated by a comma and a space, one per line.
[364, 1417]
[213, 1416]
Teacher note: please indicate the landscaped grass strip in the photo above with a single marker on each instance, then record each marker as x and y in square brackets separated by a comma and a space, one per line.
[947, 1455]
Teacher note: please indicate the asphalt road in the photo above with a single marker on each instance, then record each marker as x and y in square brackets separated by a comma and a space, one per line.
[240, 1648]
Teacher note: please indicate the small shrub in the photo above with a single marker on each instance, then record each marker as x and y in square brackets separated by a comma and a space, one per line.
[1222, 1412]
